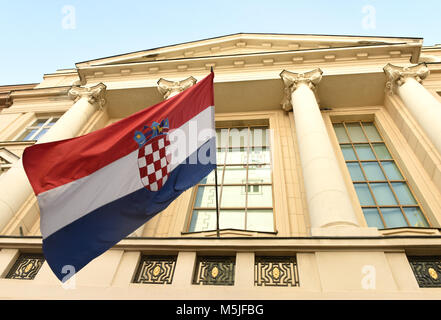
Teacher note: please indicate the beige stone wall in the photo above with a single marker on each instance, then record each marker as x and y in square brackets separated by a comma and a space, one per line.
[328, 269]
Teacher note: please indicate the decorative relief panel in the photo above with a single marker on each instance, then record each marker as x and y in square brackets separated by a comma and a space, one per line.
[26, 267]
[427, 270]
[214, 271]
[276, 271]
[156, 269]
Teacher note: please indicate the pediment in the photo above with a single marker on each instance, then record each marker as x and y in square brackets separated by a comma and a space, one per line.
[244, 43]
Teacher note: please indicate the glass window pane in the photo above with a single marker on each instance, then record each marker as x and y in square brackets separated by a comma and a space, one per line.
[259, 137]
[237, 156]
[340, 131]
[373, 218]
[364, 195]
[40, 134]
[364, 152]
[220, 156]
[27, 135]
[391, 170]
[259, 155]
[232, 219]
[260, 196]
[259, 174]
[238, 137]
[403, 193]
[260, 220]
[393, 217]
[348, 152]
[52, 121]
[233, 196]
[355, 132]
[355, 171]
[206, 197]
[222, 138]
[415, 217]
[381, 151]
[39, 122]
[210, 178]
[235, 174]
[203, 220]
[371, 131]
[383, 194]
[373, 171]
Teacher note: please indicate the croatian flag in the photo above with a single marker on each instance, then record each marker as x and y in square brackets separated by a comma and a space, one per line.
[96, 189]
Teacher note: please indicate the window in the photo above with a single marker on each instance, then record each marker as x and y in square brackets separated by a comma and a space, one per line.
[156, 269]
[244, 184]
[427, 270]
[276, 271]
[26, 267]
[215, 270]
[37, 129]
[384, 194]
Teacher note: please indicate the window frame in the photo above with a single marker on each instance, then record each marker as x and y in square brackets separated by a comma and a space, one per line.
[237, 125]
[387, 181]
[32, 126]
[406, 160]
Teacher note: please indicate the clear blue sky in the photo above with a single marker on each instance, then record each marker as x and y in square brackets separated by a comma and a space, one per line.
[39, 37]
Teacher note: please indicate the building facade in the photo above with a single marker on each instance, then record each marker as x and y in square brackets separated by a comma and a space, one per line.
[329, 165]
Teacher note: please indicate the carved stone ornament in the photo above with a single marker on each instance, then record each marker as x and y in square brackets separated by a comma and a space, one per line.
[94, 95]
[397, 75]
[167, 87]
[292, 81]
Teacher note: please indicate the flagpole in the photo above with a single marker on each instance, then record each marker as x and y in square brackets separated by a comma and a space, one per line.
[217, 204]
[217, 197]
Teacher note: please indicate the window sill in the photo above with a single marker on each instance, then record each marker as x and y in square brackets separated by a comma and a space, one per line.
[17, 142]
[229, 233]
[410, 231]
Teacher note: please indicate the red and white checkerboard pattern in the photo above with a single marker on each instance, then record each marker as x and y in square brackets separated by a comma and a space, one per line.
[154, 163]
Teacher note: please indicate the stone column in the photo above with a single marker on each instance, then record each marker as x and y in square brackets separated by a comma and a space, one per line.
[329, 203]
[168, 89]
[423, 106]
[14, 183]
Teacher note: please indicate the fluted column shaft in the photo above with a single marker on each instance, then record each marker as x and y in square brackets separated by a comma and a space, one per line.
[423, 106]
[14, 183]
[329, 203]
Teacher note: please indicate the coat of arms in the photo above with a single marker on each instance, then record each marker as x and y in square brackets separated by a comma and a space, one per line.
[153, 159]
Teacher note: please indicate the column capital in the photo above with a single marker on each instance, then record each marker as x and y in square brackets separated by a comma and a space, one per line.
[94, 95]
[397, 75]
[167, 87]
[292, 80]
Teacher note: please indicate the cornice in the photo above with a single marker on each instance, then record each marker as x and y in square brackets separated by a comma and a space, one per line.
[327, 56]
[40, 92]
[215, 44]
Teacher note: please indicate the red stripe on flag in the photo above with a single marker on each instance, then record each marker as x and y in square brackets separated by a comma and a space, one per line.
[49, 165]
